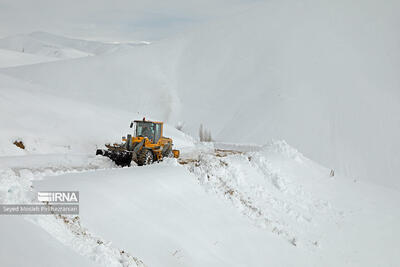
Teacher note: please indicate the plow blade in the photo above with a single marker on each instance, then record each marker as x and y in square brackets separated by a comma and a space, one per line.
[120, 157]
[122, 154]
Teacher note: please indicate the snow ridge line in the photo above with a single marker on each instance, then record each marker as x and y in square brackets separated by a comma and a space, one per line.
[16, 187]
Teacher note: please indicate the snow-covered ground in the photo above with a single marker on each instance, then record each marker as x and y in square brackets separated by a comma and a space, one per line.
[212, 207]
[13, 58]
[24, 244]
[322, 76]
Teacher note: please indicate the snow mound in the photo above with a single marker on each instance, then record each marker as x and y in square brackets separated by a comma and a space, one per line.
[24, 244]
[282, 148]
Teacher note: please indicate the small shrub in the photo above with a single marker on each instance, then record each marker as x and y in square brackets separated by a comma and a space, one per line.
[19, 144]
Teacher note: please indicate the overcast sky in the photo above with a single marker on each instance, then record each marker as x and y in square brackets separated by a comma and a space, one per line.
[112, 20]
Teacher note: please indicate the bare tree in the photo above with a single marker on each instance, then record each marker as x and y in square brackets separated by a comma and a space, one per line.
[201, 133]
[204, 134]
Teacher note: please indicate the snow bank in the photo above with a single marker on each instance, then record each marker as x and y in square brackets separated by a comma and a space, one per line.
[161, 215]
[16, 188]
[24, 244]
[299, 201]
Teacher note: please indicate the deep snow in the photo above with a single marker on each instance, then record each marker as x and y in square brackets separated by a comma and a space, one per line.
[322, 76]
[214, 208]
[24, 244]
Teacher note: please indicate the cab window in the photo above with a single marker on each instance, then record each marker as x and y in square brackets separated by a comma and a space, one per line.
[157, 133]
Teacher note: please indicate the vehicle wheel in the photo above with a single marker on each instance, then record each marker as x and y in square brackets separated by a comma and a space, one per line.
[145, 157]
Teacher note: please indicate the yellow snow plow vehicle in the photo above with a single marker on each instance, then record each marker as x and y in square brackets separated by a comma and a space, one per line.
[146, 146]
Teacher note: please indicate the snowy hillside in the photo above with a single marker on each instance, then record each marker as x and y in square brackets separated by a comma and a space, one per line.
[301, 99]
[30, 44]
[12, 58]
[21, 236]
[50, 45]
[214, 208]
[329, 88]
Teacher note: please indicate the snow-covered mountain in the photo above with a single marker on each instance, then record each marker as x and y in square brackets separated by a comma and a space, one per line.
[51, 45]
[271, 72]
[323, 76]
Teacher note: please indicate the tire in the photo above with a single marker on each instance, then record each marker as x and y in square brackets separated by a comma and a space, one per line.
[145, 157]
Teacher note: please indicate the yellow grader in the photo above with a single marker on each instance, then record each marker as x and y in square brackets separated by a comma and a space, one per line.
[146, 146]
